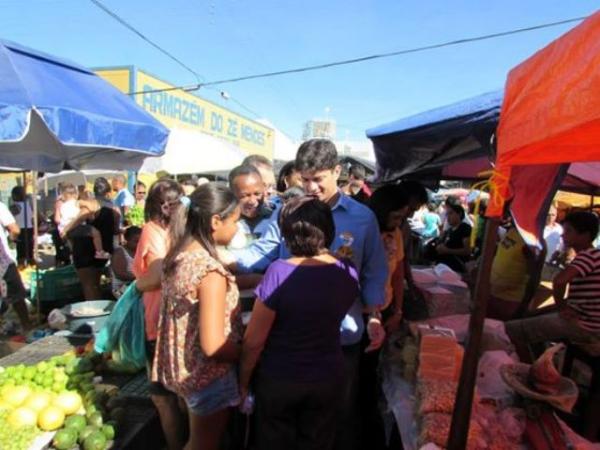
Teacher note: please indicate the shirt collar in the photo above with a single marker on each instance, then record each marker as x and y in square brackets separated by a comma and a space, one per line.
[342, 202]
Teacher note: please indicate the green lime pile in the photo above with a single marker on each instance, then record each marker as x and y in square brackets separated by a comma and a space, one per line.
[57, 395]
[20, 439]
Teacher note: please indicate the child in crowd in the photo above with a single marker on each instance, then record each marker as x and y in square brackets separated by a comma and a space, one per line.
[121, 262]
[73, 216]
[577, 318]
[390, 205]
[199, 329]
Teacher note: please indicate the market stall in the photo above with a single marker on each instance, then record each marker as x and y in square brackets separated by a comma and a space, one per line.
[457, 142]
[58, 115]
[544, 127]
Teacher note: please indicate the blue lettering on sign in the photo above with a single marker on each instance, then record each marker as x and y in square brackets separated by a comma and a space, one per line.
[172, 106]
[251, 135]
[232, 127]
[216, 122]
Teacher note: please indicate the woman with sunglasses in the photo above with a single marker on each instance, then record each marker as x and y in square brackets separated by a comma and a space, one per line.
[164, 198]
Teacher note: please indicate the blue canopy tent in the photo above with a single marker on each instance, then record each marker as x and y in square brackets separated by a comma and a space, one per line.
[455, 142]
[55, 114]
[424, 144]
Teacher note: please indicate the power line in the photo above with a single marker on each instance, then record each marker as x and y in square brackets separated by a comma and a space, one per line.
[364, 58]
[131, 28]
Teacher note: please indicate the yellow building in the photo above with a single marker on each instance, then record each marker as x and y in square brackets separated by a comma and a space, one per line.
[181, 109]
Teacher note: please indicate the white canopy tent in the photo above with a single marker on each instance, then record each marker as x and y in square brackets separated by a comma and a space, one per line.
[75, 177]
[189, 152]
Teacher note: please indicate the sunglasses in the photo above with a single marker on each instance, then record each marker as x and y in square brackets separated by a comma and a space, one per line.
[140, 193]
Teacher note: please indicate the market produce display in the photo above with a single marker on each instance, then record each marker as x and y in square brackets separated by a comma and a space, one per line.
[57, 395]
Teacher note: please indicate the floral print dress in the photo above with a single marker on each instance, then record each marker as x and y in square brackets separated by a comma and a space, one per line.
[179, 364]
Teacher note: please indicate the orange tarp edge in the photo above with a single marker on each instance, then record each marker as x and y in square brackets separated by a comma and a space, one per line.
[551, 109]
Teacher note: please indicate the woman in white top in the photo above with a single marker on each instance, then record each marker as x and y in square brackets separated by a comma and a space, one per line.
[122, 261]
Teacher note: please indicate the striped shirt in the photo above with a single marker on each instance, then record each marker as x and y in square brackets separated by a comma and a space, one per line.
[584, 290]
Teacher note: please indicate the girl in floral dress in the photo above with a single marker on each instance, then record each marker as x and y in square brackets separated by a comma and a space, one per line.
[199, 331]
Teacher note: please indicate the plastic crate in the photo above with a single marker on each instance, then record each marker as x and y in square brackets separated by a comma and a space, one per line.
[59, 284]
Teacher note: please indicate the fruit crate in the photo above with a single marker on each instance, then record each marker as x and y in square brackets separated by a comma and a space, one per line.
[136, 390]
[61, 284]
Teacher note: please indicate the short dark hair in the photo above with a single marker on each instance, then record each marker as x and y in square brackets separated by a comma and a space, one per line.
[357, 171]
[241, 171]
[584, 222]
[291, 193]
[190, 182]
[102, 187]
[385, 200]
[455, 205]
[307, 226]
[257, 160]
[316, 154]
[415, 190]
[18, 194]
[162, 191]
[139, 183]
[287, 169]
[131, 231]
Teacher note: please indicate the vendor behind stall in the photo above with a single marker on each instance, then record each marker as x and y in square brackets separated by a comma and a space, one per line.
[454, 248]
[578, 315]
[515, 275]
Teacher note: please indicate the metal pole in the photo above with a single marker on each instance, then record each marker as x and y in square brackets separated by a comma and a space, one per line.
[25, 220]
[461, 416]
[35, 239]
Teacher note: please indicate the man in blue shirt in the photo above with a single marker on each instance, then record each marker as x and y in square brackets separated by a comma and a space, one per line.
[357, 237]
[124, 199]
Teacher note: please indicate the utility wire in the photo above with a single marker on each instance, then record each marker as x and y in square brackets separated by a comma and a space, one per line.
[363, 58]
[131, 28]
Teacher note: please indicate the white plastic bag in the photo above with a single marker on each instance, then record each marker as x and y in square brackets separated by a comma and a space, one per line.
[57, 320]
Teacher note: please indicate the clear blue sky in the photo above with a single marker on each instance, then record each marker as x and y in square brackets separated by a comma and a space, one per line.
[227, 38]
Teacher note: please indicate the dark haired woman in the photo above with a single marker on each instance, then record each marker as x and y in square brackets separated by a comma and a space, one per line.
[200, 332]
[288, 177]
[23, 212]
[106, 220]
[164, 198]
[295, 331]
[454, 249]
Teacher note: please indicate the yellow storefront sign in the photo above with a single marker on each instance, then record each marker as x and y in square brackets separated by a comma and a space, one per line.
[180, 109]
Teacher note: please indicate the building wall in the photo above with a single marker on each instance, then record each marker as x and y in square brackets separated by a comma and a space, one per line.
[180, 109]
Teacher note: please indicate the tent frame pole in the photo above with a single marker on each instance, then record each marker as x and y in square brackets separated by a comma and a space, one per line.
[461, 416]
[34, 198]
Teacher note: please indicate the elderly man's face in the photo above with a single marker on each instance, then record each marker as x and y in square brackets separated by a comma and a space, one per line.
[250, 192]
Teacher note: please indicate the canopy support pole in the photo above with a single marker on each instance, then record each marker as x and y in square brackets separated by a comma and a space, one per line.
[25, 222]
[34, 198]
[464, 397]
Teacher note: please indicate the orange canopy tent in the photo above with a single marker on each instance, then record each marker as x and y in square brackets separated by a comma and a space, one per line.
[549, 119]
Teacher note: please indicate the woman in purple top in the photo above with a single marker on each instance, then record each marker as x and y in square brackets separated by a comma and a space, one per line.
[294, 333]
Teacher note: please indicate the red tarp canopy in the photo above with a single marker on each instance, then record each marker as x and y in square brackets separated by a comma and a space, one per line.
[550, 117]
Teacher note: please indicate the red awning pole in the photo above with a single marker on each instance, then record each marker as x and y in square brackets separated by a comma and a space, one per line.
[461, 416]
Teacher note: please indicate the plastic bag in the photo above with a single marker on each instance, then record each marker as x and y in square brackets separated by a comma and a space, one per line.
[124, 331]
